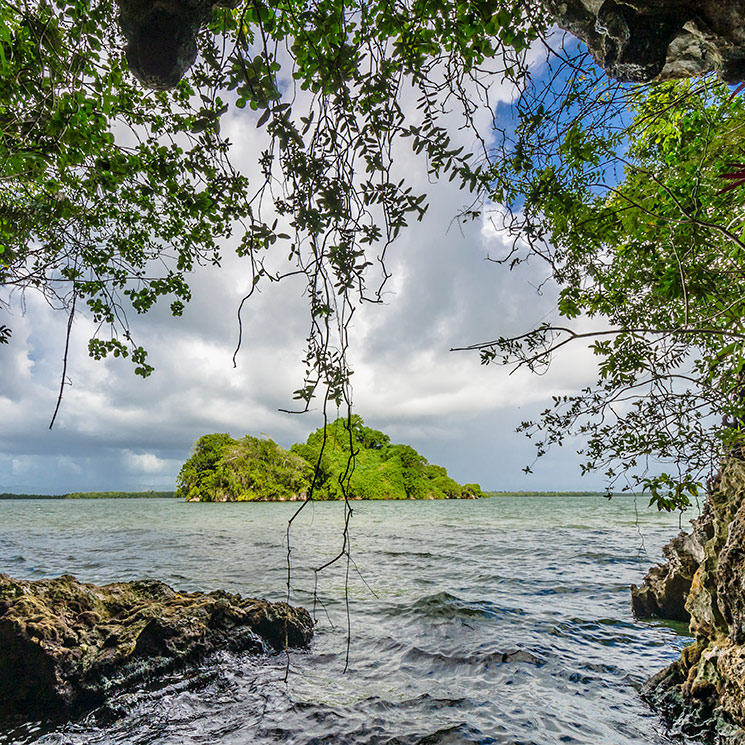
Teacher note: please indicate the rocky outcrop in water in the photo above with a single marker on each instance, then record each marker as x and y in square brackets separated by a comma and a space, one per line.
[643, 40]
[702, 695]
[67, 646]
[664, 591]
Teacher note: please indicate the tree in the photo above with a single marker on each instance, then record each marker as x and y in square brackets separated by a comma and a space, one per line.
[631, 219]
[352, 461]
[222, 469]
[109, 197]
[344, 460]
[197, 475]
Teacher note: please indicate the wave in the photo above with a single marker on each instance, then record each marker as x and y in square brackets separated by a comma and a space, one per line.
[481, 659]
[444, 605]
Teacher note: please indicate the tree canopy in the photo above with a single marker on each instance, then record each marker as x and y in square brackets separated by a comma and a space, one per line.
[107, 197]
[110, 196]
[379, 470]
[630, 215]
[223, 469]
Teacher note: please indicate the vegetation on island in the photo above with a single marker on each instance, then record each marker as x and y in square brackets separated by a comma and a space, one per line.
[221, 469]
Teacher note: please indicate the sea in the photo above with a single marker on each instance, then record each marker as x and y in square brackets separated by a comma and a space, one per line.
[504, 620]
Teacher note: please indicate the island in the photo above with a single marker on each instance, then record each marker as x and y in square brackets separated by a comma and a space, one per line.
[223, 469]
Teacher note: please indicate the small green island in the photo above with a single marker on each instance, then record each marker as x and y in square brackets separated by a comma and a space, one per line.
[223, 469]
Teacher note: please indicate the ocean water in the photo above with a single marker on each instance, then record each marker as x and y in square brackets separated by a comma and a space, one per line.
[503, 620]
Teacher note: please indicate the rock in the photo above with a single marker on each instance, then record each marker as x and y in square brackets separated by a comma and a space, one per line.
[162, 36]
[702, 695]
[632, 40]
[66, 646]
[688, 717]
[665, 589]
[643, 40]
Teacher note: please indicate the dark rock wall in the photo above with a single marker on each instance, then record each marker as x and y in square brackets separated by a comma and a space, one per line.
[633, 40]
[162, 37]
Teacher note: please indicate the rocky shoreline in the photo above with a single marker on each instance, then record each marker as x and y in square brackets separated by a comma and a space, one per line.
[702, 695]
[67, 646]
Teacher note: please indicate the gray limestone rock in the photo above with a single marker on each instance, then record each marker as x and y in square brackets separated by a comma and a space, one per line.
[644, 40]
[702, 695]
[665, 589]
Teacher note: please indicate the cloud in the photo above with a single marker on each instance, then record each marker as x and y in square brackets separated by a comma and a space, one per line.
[149, 463]
[116, 431]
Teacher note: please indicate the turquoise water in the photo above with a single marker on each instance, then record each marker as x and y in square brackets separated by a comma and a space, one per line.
[503, 620]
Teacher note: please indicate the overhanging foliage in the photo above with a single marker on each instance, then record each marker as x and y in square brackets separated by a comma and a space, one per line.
[110, 196]
[622, 201]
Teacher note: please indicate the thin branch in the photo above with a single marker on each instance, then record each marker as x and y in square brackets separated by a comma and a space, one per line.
[63, 380]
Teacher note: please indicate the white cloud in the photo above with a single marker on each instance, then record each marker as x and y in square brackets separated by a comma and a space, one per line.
[66, 464]
[20, 466]
[116, 431]
[149, 463]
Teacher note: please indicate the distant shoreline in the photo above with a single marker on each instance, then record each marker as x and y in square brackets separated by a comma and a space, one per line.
[94, 495]
[171, 494]
[560, 494]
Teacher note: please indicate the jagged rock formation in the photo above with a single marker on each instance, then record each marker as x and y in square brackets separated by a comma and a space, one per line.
[633, 40]
[702, 695]
[643, 40]
[162, 36]
[67, 646]
[665, 588]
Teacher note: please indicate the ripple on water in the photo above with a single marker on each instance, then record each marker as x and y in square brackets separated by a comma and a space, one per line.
[445, 605]
[500, 621]
[479, 661]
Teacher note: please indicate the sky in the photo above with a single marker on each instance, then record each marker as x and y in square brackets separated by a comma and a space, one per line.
[116, 431]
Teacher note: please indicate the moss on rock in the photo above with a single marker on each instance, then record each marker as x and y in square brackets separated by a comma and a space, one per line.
[702, 694]
[66, 646]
